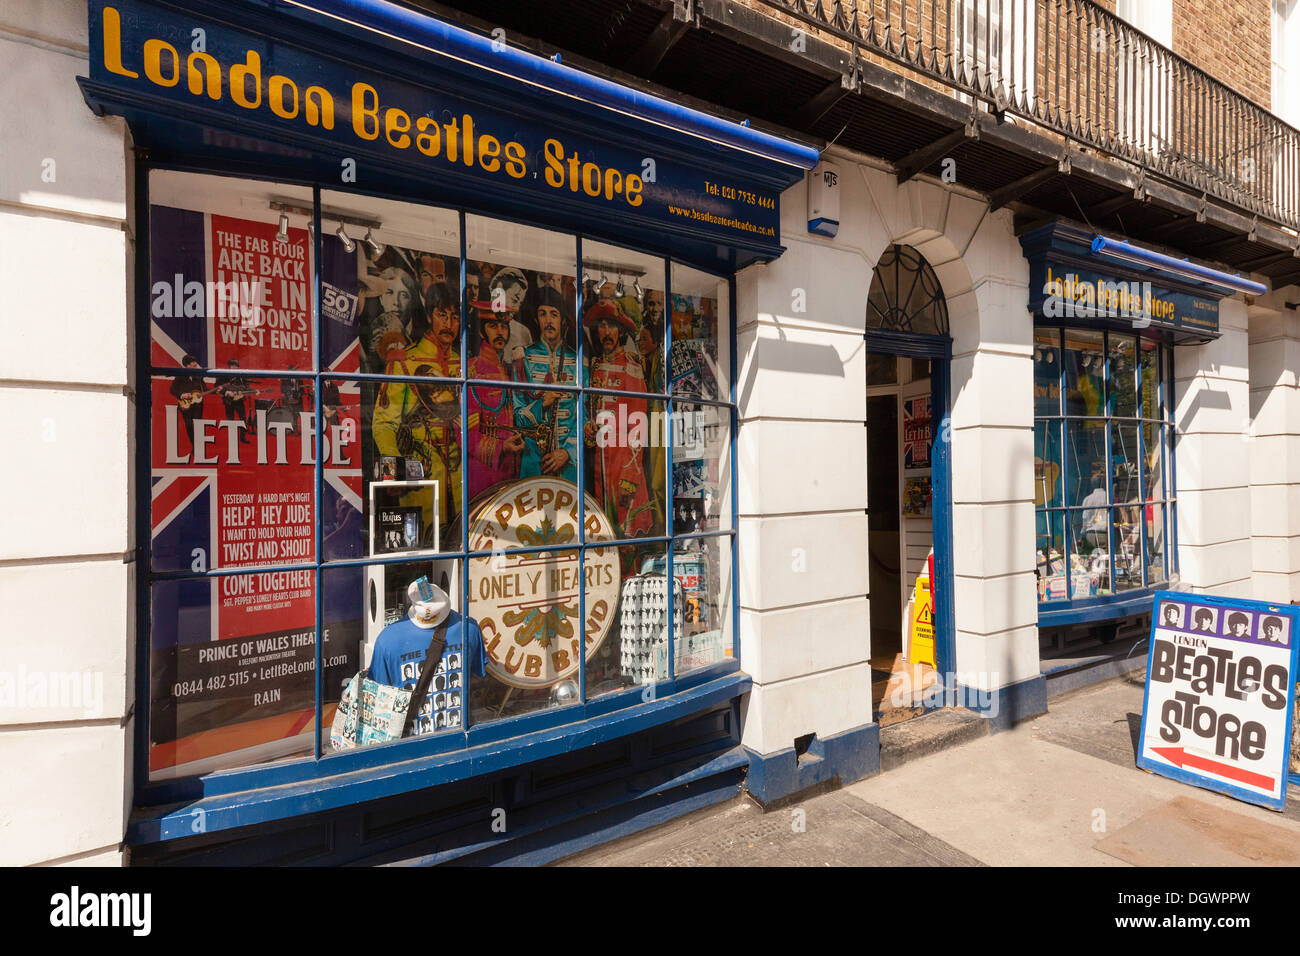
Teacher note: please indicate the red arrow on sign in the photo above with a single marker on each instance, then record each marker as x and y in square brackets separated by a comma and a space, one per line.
[1180, 757]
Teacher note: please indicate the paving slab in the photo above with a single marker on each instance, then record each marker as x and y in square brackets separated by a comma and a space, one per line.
[1191, 832]
[833, 829]
[1049, 791]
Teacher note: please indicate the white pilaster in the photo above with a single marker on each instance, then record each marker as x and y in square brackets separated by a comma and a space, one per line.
[68, 629]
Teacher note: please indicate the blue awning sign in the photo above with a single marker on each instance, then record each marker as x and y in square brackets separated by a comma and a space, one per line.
[460, 114]
[1077, 278]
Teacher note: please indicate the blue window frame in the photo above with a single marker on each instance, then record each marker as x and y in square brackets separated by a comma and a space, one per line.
[1104, 489]
[685, 547]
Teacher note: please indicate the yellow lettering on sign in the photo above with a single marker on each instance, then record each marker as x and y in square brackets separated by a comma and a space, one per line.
[153, 50]
[113, 44]
[276, 87]
[365, 111]
[489, 148]
[632, 189]
[250, 69]
[516, 167]
[591, 179]
[396, 121]
[320, 106]
[457, 140]
[208, 78]
[428, 139]
[554, 153]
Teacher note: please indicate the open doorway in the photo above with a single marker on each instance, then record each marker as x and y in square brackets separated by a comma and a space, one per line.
[909, 514]
[900, 526]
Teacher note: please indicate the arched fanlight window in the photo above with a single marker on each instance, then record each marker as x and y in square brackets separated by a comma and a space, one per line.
[905, 294]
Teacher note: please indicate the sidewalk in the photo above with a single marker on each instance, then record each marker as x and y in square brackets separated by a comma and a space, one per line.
[1061, 790]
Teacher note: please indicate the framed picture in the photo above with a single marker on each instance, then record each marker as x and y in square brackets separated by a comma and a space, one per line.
[404, 517]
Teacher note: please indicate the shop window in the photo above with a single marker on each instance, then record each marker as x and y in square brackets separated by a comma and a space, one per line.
[1103, 489]
[459, 421]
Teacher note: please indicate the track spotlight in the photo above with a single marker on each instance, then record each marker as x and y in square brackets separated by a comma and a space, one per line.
[375, 246]
[348, 244]
[282, 234]
[636, 288]
[619, 288]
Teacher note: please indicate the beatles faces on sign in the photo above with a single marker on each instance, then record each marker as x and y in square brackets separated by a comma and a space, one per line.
[1226, 622]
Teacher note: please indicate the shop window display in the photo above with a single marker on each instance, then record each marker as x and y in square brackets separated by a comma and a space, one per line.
[395, 613]
[702, 567]
[700, 333]
[1102, 447]
[509, 467]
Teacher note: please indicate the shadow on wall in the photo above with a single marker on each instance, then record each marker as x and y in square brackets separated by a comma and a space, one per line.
[1207, 398]
[783, 355]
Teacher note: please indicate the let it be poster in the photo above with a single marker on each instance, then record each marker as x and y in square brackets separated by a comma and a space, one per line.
[233, 657]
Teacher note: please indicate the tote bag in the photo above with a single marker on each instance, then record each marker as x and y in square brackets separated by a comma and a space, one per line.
[373, 713]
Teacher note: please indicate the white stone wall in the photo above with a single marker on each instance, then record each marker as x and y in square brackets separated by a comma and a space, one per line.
[66, 608]
[1213, 451]
[1275, 447]
[802, 449]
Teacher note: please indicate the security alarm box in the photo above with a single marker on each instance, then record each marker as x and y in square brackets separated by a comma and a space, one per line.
[824, 199]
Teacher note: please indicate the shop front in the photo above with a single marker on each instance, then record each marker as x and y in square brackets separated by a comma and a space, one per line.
[1112, 323]
[435, 351]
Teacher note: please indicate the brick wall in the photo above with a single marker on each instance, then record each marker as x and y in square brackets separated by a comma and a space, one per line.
[1229, 39]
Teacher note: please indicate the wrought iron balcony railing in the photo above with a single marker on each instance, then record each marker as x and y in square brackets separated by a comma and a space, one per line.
[1073, 67]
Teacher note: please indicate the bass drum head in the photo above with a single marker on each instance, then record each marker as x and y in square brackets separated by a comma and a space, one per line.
[527, 605]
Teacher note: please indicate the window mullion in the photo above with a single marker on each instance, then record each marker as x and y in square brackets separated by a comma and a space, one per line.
[319, 471]
[465, 674]
[580, 424]
[1110, 485]
[1171, 486]
[671, 556]
[1142, 463]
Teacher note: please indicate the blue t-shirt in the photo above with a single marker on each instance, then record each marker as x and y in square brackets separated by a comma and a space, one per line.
[398, 658]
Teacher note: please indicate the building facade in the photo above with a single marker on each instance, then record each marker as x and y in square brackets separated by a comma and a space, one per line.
[705, 393]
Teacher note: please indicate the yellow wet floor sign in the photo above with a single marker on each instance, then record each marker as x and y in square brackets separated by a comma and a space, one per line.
[921, 642]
